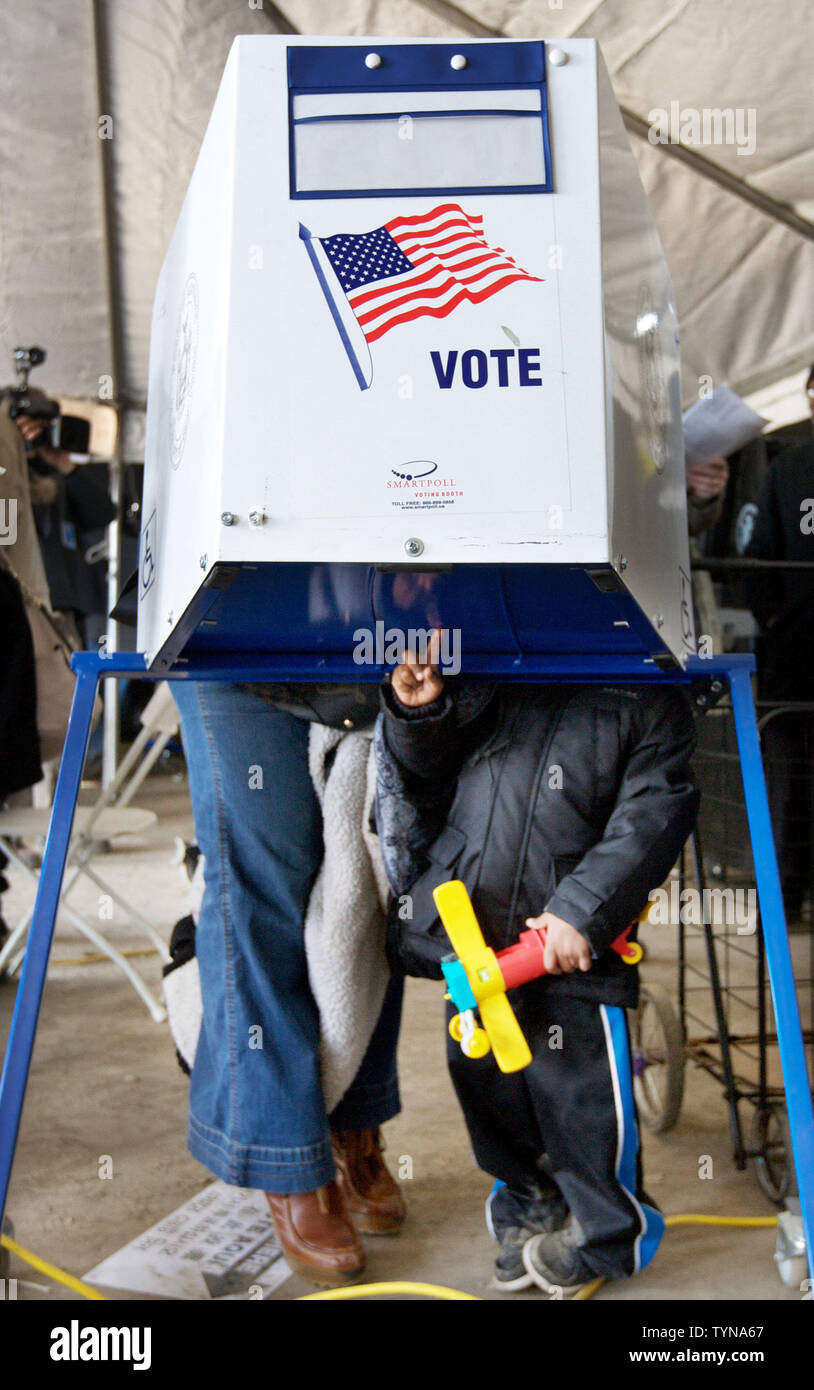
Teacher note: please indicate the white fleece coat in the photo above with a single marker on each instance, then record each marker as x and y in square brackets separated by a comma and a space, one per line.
[345, 921]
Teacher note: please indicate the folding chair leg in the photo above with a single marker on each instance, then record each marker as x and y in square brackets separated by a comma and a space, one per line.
[160, 742]
[127, 908]
[781, 974]
[101, 943]
[20, 1044]
[21, 928]
[10, 946]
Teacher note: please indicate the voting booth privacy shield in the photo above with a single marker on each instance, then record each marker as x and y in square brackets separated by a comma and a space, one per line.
[414, 360]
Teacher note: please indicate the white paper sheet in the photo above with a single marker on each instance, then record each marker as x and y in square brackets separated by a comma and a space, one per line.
[718, 425]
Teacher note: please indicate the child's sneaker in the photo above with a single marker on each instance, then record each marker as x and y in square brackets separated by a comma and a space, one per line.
[554, 1263]
[512, 1218]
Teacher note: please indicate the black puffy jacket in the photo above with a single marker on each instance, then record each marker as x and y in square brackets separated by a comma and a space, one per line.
[574, 800]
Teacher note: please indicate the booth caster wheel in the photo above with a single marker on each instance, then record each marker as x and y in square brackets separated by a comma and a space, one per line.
[774, 1160]
[658, 1059]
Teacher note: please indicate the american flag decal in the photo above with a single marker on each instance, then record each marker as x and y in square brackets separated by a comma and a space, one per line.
[415, 267]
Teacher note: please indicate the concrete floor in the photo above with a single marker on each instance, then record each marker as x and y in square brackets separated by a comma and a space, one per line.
[105, 1080]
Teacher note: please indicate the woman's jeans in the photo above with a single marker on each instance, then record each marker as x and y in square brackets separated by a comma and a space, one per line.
[256, 1113]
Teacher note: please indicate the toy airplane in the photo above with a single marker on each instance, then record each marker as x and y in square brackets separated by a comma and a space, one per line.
[478, 978]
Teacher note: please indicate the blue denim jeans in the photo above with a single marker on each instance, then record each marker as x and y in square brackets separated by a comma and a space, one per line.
[256, 1112]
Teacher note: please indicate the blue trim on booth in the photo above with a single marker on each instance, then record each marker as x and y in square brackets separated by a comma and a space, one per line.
[303, 666]
[460, 191]
[422, 66]
[506, 613]
[414, 115]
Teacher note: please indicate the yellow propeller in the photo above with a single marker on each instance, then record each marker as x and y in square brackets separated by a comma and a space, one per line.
[509, 1045]
[483, 973]
[458, 916]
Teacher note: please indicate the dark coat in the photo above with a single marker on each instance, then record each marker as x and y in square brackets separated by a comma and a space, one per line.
[783, 602]
[81, 505]
[574, 800]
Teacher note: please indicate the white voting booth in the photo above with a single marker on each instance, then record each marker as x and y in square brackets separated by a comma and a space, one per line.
[415, 315]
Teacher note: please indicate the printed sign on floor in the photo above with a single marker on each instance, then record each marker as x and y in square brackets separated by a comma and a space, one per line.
[220, 1244]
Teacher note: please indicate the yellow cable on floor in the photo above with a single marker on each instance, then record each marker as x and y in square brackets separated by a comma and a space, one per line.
[51, 1270]
[693, 1219]
[687, 1219]
[371, 1290]
[588, 1292]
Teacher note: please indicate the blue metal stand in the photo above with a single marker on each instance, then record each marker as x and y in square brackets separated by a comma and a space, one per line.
[733, 670]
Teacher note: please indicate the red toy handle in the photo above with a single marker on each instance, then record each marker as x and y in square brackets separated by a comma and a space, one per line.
[525, 960]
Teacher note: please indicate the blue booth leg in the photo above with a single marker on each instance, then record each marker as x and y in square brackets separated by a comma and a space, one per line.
[32, 979]
[778, 956]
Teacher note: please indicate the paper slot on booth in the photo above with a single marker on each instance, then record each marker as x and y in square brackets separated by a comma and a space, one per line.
[357, 143]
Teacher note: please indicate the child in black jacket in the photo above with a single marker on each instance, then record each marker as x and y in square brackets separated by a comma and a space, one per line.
[565, 806]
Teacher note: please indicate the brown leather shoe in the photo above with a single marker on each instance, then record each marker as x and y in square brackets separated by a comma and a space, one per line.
[319, 1239]
[372, 1195]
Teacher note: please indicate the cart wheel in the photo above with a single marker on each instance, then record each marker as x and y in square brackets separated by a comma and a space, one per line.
[658, 1059]
[774, 1160]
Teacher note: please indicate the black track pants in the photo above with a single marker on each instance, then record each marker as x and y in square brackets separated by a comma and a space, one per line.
[574, 1105]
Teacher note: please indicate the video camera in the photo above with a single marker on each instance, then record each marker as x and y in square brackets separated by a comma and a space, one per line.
[67, 432]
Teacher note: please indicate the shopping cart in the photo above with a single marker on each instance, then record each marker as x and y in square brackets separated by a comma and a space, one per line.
[725, 1005]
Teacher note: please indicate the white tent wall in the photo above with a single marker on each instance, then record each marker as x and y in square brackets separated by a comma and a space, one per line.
[744, 282]
[53, 287]
[167, 58]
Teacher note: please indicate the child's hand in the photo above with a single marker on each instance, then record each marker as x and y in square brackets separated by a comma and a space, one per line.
[565, 948]
[416, 684]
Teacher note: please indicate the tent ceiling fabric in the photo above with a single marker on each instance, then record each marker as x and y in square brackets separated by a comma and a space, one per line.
[52, 256]
[744, 283]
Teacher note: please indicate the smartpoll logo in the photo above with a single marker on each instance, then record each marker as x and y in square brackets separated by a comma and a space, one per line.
[75, 1343]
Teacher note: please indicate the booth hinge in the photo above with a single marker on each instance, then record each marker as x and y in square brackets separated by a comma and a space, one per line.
[607, 581]
[222, 577]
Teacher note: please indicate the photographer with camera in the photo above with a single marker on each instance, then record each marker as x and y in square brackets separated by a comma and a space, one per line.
[46, 502]
[19, 544]
[22, 580]
[66, 499]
